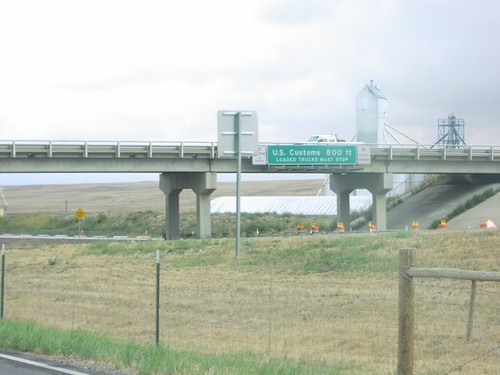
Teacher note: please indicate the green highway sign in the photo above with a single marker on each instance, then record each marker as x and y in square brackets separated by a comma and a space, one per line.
[305, 154]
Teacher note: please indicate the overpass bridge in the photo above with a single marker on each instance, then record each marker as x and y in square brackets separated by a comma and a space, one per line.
[195, 165]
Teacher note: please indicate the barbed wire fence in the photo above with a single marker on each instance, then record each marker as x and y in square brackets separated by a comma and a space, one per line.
[437, 318]
[343, 318]
[441, 325]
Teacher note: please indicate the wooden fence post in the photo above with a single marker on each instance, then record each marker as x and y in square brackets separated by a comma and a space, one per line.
[406, 318]
[406, 321]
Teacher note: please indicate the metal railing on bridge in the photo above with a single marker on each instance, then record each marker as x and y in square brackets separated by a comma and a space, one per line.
[208, 150]
[429, 153]
[106, 149]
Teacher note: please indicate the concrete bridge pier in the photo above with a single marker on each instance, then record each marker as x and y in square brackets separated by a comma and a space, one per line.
[377, 183]
[203, 184]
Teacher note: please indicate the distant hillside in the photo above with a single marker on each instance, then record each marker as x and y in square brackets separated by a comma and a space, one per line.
[134, 196]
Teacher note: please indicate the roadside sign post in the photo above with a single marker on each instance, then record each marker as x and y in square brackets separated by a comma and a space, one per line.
[238, 183]
[237, 136]
[80, 214]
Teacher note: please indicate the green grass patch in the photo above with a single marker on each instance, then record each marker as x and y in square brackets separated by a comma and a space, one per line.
[313, 254]
[352, 254]
[153, 224]
[311, 261]
[77, 344]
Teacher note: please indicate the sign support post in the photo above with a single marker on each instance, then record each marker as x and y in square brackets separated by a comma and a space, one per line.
[238, 184]
[238, 136]
[80, 214]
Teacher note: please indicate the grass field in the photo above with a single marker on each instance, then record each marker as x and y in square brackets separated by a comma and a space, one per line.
[320, 302]
[134, 196]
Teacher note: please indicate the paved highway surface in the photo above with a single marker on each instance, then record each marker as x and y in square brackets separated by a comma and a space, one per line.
[471, 219]
[435, 202]
[25, 364]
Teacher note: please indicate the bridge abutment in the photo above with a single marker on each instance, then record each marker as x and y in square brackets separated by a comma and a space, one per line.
[203, 184]
[377, 183]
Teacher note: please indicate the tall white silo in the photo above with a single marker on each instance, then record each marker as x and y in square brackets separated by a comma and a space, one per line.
[371, 115]
[371, 119]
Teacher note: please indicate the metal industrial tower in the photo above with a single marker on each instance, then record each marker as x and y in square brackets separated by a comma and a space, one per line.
[451, 132]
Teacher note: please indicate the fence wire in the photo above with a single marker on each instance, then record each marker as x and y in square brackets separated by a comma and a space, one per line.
[347, 318]
[442, 308]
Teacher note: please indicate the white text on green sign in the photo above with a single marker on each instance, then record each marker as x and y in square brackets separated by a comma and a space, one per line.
[311, 154]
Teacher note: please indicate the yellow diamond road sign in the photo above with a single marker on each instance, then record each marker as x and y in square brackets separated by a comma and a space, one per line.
[80, 214]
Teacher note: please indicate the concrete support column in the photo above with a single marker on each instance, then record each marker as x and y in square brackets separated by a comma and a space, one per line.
[169, 187]
[203, 220]
[377, 183]
[203, 184]
[344, 208]
[172, 214]
[343, 185]
[381, 184]
[379, 211]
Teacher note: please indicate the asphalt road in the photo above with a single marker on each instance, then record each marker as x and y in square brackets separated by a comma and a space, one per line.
[435, 202]
[26, 364]
[471, 219]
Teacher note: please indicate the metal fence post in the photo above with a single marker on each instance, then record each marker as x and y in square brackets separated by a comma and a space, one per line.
[470, 319]
[157, 340]
[270, 338]
[3, 279]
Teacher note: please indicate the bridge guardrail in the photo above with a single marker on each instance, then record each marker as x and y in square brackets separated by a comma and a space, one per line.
[106, 149]
[438, 153]
[208, 150]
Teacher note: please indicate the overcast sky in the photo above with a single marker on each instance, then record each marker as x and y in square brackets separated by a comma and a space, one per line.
[160, 70]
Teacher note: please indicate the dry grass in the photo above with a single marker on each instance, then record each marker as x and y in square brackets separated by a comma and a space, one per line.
[266, 301]
[134, 196]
